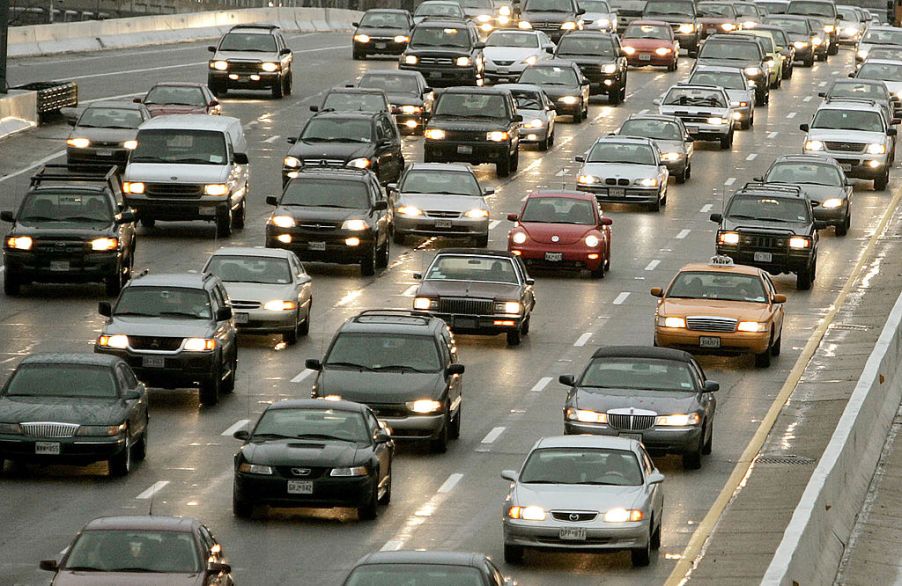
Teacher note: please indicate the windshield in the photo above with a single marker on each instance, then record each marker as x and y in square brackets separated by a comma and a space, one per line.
[816, 174]
[849, 15]
[790, 25]
[442, 182]
[173, 146]
[694, 97]
[317, 424]
[774, 7]
[383, 351]
[638, 373]
[654, 129]
[779, 36]
[456, 38]
[391, 83]
[434, 9]
[847, 120]
[581, 466]
[669, 8]
[883, 37]
[549, 6]
[470, 105]
[716, 11]
[338, 130]
[549, 76]
[254, 42]
[730, 50]
[138, 551]
[250, 269]
[730, 81]
[100, 117]
[767, 40]
[376, 19]
[621, 153]
[647, 31]
[851, 89]
[512, 39]
[475, 3]
[419, 574]
[881, 71]
[62, 380]
[527, 100]
[595, 6]
[341, 101]
[764, 208]
[717, 285]
[558, 210]
[812, 8]
[65, 208]
[175, 96]
[149, 301]
[329, 193]
[573, 45]
[745, 9]
[888, 53]
[483, 269]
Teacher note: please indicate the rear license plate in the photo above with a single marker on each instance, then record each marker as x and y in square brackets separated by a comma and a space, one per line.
[206, 211]
[381, 45]
[241, 318]
[443, 223]
[59, 265]
[632, 436]
[300, 487]
[47, 448]
[465, 322]
[846, 166]
[554, 256]
[616, 192]
[316, 245]
[645, 57]
[764, 257]
[573, 534]
[104, 153]
[708, 342]
[464, 149]
[153, 362]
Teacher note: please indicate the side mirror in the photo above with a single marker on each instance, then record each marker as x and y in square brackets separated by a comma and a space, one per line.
[214, 102]
[7, 216]
[509, 475]
[891, 132]
[585, 83]
[313, 364]
[656, 101]
[105, 309]
[711, 386]
[455, 369]
[218, 568]
[427, 90]
[355, 24]
[760, 179]
[240, 158]
[513, 217]
[479, 46]
[418, 276]
[656, 292]
[488, 191]
[518, 118]
[224, 313]
[530, 281]
[391, 186]
[814, 203]
[242, 434]
[822, 94]
[580, 12]
[126, 217]
[380, 206]
[137, 100]
[716, 218]
[211, 48]
[132, 395]
[272, 200]
[381, 437]
[285, 51]
[49, 565]
[314, 108]
[655, 478]
[291, 140]
[779, 298]
[549, 49]
[568, 380]
[768, 58]
[579, 158]
[605, 221]
[852, 75]
[804, 127]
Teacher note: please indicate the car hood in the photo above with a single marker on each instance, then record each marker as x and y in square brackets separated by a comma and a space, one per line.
[740, 63]
[382, 31]
[670, 18]
[619, 170]
[587, 59]
[474, 289]
[821, 192]
[245, 56]
[438, 52]
[168, 172]
[404, 100]
[53, 230]
[514, 54]
[67, 578]
[677, 110]
[894, 87]
[559, 91]
[532, 115]
[440, 201]
[741, 310]
[707, 20]
[159, 326]
[314, 453]
[824, 134]
[380, 387]
[646, 44]
[740, 95]
[590, 17]
[104, 134]
[476, 124]
[671, 146]
[261, 292]
[163, 109]
[545, 233]
[318, 214]
[661, 402]
[584, 497]
[84, 411]
[538, 16]
[777, 228]
[331, 150]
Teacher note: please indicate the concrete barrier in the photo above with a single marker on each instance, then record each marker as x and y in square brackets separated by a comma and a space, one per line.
[18, 112]
[814, 540]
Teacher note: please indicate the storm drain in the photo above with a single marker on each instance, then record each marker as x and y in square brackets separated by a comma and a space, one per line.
[787, 459]
[850, 327]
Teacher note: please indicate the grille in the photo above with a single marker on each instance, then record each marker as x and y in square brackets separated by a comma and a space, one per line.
[324, 163]
[579, 515]
[45, 429]
[848, 147]
[320, 227]
[631, 422]
[442, 214]
[288, 472]
[436, 60]
[153, 343]
[503, 63]
[612, 181]
[462, 306]
[464, 135]
[105, 144]
[711, 324]
[245, 304]
[389, 410]
[763, 241]
[244, 66]
[174, 190]
[59, 246]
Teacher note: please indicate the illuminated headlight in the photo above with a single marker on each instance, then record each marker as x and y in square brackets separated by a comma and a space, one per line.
[623, 516]
[629, 50]
[216, 189]
[749, 24]
[568, 26]
[434, 134]
[402, 39]
[729, 238]
[200, 344]
[829, 28]
[425, 303]
[728, 26]
[360, 163]
[464, 61]
[817, 41]
[219, 65]
[662, 51]
[354, 225]
[678, 420]
[505, 10]
[876, 149]
[832, 203]
[531, 60]
[284, 238]
[862, 54]
[569, 100]
[800, 44]
[118, 341]
[282, 221]
[19, 242]
[408, 109]
[332, 398]
[130, 145]
[11, 428]
[503, 20]
[496, 136]
[78, 143]
[814, 145]
[647, 182]
[411, 60]
[101, 244]
[425, 406]
[524, 25]
[687, 27]
[361, 38]
[671, 156]
[519, 237]
[751, 326]
[737, 115]
[102, 430]
[850, 30]
[592, 241]
[671, 322]
[483, 18]
[477, 214]
[270, 67]
[535, 123]
[352, 471]
[799, 242]
[508, 307]
[249, 468]
[526, 513]
[715, 120]
[280, 305]
[752, 71]
[410, 211]
[352, 241]
[587, 179]
[586, 416]
[609, 68]
[291, 162]
[738, 104]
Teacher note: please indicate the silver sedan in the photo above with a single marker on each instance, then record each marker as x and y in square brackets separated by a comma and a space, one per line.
[624, 169]
[538, 114]
[584, 493]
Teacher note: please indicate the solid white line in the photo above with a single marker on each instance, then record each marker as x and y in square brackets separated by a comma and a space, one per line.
[494, 224]
[240, 424]
[540, 386]
[581, 341]
[706, 208]
[791, 115]
[752, 157]
[621, 298]
[154, 489]
[410, 291]
[730, 181]
[449, 484]
[491, 436]
[652, 265]
[302, 375]
[272, 139]
[683, 233]
[31, 166]
[772, 134]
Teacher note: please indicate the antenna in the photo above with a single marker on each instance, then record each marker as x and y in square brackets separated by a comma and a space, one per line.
[153, 495]
[563, 178]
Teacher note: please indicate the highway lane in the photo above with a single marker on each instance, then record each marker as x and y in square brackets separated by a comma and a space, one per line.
[513, 389]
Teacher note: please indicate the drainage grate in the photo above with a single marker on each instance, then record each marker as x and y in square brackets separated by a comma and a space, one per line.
[787, 459]
[850, 327]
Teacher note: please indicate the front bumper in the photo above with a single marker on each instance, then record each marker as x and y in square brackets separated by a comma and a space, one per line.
[533, 134]
[858, 165]
[322, 247]
[424, 226]
[263, 321]
[380, 46]
[415, 427]
[707, 131]
[565, 109]
[782, 261]
[205, 208]
[467, 152]
[671, 440]
[488, 325]
[327, 491]
[730, 342]
[646, 58]
[245, 80]
[446, 76]
[688, 41]
[551, 256]
[626, 194]
[78, 450]
[85, 267]
[98, 156]
[179, 369]
[600, 536]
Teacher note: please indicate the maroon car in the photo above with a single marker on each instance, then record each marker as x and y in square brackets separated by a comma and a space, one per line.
[180, 98]
[650, 42]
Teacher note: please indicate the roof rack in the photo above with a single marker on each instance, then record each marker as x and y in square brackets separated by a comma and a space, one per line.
[335, 170]
[423, 316]
[773, 187]
[63, 173]
[706, 86]
[268, 27]
[857, 100]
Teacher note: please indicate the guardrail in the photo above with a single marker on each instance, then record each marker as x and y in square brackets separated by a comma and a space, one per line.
[813, 543]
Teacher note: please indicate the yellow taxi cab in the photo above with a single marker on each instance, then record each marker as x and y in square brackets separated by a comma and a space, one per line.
[721, 308]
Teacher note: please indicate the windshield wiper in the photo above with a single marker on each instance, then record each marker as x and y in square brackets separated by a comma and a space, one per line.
[39, 219]
[741, 216]
[599, 483]
[348, 365]
[84, 569]
[539, 481]
[272, 436]
[191, 161]
[141, 570]
[149, 159]
[84, 219]
[323, 436]
[134, 313]
[398, 367]
[180, 314]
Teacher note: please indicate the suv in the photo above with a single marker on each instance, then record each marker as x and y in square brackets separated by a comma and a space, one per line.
[474, 125]
[353, 99]
[251, 57]
[824, 11]
[70, 227]
[771, 227]
[555, 18]
[446, 52]
[601, 60]
[401, 364]
[744, 53]
[361, 140]
[704, 109]
[332, 215]
[857, 134]
[174, 330]
[410, 96]
[189, 167]
[872, 89]
[682, 18]
[805, 38]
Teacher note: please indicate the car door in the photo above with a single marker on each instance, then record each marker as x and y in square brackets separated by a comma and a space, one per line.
[527, 296]
[133, 415]
[393, 151]
[382, 218]
[303, 284]
[381, 450]
[655, 491]
[707, 400]
[776, 308]
[449, 357]
[225, 333]
[212, 552]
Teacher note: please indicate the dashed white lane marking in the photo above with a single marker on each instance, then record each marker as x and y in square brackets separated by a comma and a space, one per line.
[652, 265]
[272, 139]
[562, 173]
[806, 99]
[581, 341]
[449, 484]
[154, 489]
[540, 386]
[683, 233]
[409, 292]
[706, 208]
[834, 72]
[491, 436]
[752, 157]
[621, 298]
[240, 424]
[791, 115]
[822, 84]
[494, 224]
[392, 545]
[645, 111]
[349, 297]
[772, 134]
[144, 70]
[302, 375]
[730, 181]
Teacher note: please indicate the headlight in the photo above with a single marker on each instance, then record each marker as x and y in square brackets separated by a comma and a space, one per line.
[19, 242]
[671, 322]
[505, 10]
[687, 27]
[503, 20]
[524, 25]
[355, 225]
[629, 50]
[360, 163]
[361, 38]
[526, 513]
[661, 51]
[751, 326]
[199, 344]
[814, 145]
[800, 44]
[291, 162]
[425, 406]
[402, 39]
[332, 398]
[483, 18]
[730, 238]
[352, 471]
[850, 30]
[738, 104]
[570, 100]
[280, 305]
[749, 24]
[216, 189]
[715, 120]
[535, 123]
[464, 61]
[10, 428]
[270, 67]
[671, 156]
[219, 65]
[568, 26]
[829, 28]
[119, 341]
[133, 187]
[623, 516]
[411, 60]
[817, 41]
[477, 214]
[496, 136]
[876, 149]
[130, 145]
[531, 60]
[799, 242]
[249, 468]
[753, 71]
[103, 430]
[728, 26]
[435, 134]
[408, 109]
[592, 241]
[832, 203]
[862, 54]
[586, 416]
[424, 303]
[647, 182]
[508, 307]
[78, 143]
[100, 244]
[282, 221]
[410, 211]
[678, 420]
[609, 68]
[519, 237]
[587, 179]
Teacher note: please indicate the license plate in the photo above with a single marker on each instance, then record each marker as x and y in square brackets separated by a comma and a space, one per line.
[316, 245]
[632, 436]
[153, 362]
[104, 153]
[763, 257]
[464, 149]
[300, 487]
[206, 211]
[708, 342]
[381, 45]
[443, 223]
[47, 448]
[241, 318]
[465, 322]
[616, 192]
[712, 31]
[554, 256]
[846, 166]
[645, 57]
[573, 534]
[59, 265]
[435, 75]
[502, 70]
[691, 130]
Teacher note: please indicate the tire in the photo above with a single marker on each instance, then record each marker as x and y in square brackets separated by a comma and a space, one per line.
[843, 229]
[370, 510]
[672, 66]
[656, 538]
[763, 360]
[822, 57]
[224, 224]
[503, 167]
[513, 554]
[358, 56]
[544, 144]
[439, 445]
[121, 463]
[524, 329]
[114, 283]
[776, 346]
[578, 116]
[240, 507]
[693, 460]
[834, 49]
[228, 385]
[751, 119]
[804, 278]
[209, 390]
[291, 336]
[304, 328]
[454, 432]
[881, 182]
[382, 254]
[515, 160]
[368, 263]
[656, 207]
[481, 241]
[12, 284]
[683, 176]
[789, 71]
[689, 171]
[641, 557]
[239, 217]
[278, 90]
[616, 98]
[139, 452]
[397, 237]
[809, 62]
[289, 84]
[708, 446]
[599, 272]
[726, 141]
[513, 338]
[386, 496]
[551, 139]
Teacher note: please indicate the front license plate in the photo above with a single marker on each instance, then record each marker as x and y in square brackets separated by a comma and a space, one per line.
[206, 211]
[554, 256]
[632, 436]
[153, 362]
[316, 245]
[846, 166]
[104, 153]
[47, 448]
[645, 57]
[464, 149]
[465, 322]
[241, 318]
[764, 257]
[435, 75]
[712, 31]
[443, 223]
[708, 342]
[300, 487]
[573, 534]
[381, 45]
[691, 130]
[616, 192]
[59, 265]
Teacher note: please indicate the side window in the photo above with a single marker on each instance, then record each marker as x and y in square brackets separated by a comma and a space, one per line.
[130, 379]
[495, 574]
[448, 342]
[121, 378]
[445, 351]
[229, 146]
[378, 193]
[217, 299]
[208, 543]
[647, 466]
[372, 423]
[380, 131]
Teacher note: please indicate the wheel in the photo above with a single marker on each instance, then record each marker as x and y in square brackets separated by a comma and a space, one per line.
[358, 55]
[843, 229]
[881, 182]
[664, 196]
[751, 119]
[809, 62]
[551, 139]
[822, 57]
[544, 144]
[524, 329]
[515, 160]
[114, 283]
[370, 509]
[439, 445]
[148, 222]
[224, 223]
[382, 254]
[140, 450]
[763, 360]
[239, 217]
[615, 98]
[304, 327]
[289, 84]
[228, 385]
[513, 338]
[656, 538]
[775, 347]
[240, 507]
[503, 167]
[12, 285]
[578, 115]
[368, 262]
[641, 556]
[834, 48]
[693, 460]
[386, 496]
[804, 278]
[454, 432]
[217, 89]
[513, 554]
[278, 90]
[598, 273]
[672, 66]
[682, 176]
[397, 237]
[481, 241]
[726, 141]
[709, 443]
[689, 171]
[209, 390]
[789, 71]
[656, 207]
[121, 463]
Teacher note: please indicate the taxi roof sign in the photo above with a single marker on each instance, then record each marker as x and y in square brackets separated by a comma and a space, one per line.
[722, 260]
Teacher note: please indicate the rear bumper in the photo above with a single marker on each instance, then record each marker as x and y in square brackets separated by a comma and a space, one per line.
[72, 450]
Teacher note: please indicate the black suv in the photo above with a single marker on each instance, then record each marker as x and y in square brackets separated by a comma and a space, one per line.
[382, 31]
[742, 52]
[555, 18]
[771, 227]
[403, 365]
[333, 215]
[682, 18]
[175, 331]
[71, 227]
[361, 140]
[251, 57]
[601, 60]
[446, 52]
[474, 125]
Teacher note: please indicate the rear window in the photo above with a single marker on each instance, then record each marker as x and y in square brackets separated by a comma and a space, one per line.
[744, 51]
[575, 45]
[450, 37]
[827, 9]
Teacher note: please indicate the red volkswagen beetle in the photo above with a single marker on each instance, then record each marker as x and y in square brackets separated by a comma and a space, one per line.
[562, 230]
[650, 42]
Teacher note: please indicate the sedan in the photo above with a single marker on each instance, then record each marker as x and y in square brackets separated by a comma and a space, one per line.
[104, 133]
[600, 15]
[539, 115]
[651, 42]
[658, 395]
[408, 93]
[439, 9]
[670, 136]
[584, 493]
[564, 84]
[600, 59]
[180, 98]
[314, 453]
[739, 89]
[269, 289]
[508, 52]
[624, 169]
[426, 568]
[73, 408]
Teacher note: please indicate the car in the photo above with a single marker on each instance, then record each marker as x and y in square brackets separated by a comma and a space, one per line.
[716, 17]
[721, 308]
[476, 291]
[403, 365]
[877, 36]
[659, 395]
[823, 180]
[353, 99]
[771, 227]
[381, 31]
[749, 13]
[174, 330]
[564, 84]
[409, 95]
[332, 215]
[539, 115]
[744, 53]
[555, 18]
[825, 13]
[474, 125]
[671, 137]
[508, 52]
[599, 15]
[738, 87]
[142, 549]
[481, 13]
[887, 71]
[773, 6]
[651, 42]
[344, 460]
[871, 89]
[189, 167]
[251, 57]
[857, 135]
[433, 199]
[601, 60]
[773, 55]
[784, 46]
[356, 140]
[269, 289]
[104, 133]
[624, 169]
[442, 567]
[627, 11]
[446, 52]
[562, 230]
[806, 39]
[852, 27]
[887, 52]
[73, 409]
[180, 98]
[704, 109]
[585, 493]
[71, 227]
[438, 9]
[681, 16]
[504, 14]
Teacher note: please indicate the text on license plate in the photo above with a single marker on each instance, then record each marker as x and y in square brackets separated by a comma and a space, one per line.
[153, 362]
[47, 448]
[316, 245]
[554, 256]
[644, 57]
[708, 342]
[846, 166]
[616, 192]
[104, 153]
[573, 534]
[59, 265]
[381, 45]
[443, 223]
[764, 256]
[300, 487]
[464, 149]
[206, 211]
